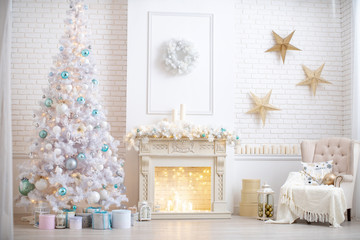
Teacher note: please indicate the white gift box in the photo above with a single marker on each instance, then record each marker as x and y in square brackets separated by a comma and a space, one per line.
[101, 220]
[121, 218]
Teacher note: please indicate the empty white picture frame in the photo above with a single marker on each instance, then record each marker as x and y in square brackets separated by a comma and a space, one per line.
[165, 90]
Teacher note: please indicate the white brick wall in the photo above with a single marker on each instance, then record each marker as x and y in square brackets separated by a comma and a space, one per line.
[320, 35]
[37, 27]
[347, 50]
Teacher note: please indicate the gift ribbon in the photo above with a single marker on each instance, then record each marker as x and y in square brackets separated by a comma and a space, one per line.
[97, 209]
[67, 216]
[104, 213]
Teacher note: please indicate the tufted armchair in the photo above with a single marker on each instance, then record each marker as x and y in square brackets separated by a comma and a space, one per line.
[345, 155]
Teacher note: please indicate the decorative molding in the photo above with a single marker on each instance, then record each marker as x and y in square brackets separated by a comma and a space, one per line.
[262, 157]
[220, 146]
[182, 146]
[210, 110]
[220, 165]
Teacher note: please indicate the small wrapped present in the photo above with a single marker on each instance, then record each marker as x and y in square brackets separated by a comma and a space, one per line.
[68, 213]
[101, 220]
[92, 209]
[86, 219]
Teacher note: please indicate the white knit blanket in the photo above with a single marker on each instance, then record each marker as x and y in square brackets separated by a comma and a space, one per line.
[313, 203]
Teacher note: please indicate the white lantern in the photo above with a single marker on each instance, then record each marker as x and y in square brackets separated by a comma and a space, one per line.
[144, 211]
[265, 202]
[60, 220]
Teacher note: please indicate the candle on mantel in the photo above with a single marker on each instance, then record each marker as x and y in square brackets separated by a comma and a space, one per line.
[174, 115]
[182, 112]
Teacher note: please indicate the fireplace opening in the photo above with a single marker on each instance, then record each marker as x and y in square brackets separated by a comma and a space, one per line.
[182, 189]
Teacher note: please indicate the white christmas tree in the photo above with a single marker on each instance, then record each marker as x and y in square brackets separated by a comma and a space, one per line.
[74, 158]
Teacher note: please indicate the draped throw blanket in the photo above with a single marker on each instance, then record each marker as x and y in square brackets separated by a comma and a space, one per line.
[313, 203]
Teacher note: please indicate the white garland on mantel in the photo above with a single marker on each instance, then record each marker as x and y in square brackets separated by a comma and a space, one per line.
[181, 56]
[178, 130]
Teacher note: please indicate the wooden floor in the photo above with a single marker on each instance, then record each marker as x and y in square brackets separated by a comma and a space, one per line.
[226, 229]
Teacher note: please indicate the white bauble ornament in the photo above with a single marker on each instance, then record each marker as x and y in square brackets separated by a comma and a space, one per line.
[68, 88]
[58, 170]
[57, 151]
[61, 108]
[41, 184]
[90, 128]
[57, 130]
[93, 197]
[100, 167]
[48, 146]
[104, 194]
[85, 86]
[104, 124]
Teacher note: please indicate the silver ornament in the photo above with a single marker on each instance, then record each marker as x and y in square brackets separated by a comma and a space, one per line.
[34, 115]
[58, 87]
[37, 125]
[71, 164]
[43, 96]
[75, 116]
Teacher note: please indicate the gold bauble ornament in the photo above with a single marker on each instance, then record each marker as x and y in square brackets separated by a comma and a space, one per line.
[329, 179]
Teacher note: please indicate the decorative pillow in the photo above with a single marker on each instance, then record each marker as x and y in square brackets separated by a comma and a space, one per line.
[315, 172]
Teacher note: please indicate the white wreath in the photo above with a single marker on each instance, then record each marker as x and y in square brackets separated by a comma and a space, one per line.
[181, 57]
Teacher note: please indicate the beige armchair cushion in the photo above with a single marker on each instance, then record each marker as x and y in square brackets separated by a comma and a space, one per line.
[336, 149]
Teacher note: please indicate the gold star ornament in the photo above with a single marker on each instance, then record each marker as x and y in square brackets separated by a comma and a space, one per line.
[313, 78]
[262, 106]
[282, 45]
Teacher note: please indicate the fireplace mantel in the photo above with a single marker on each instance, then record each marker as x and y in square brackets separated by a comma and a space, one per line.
[184, 153]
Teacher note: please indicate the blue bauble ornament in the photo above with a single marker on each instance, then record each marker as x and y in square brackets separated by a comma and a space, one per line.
[25, 187]
[237, 138]
[203, 135]
[65, 75]
[95, 82]
[48, 102]
[105, 148]
[51, 74]
[223, 129]
[62, 191]
[81, 156]
[85, 53]
[116, 186]
[80, 100]
[61, 48]
[43, 134]
[74, 207]
[95, 112]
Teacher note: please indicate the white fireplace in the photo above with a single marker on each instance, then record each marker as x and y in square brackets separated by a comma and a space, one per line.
[183, 178]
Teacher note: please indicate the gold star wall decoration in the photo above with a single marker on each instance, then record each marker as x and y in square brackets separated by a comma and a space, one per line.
[262, 106]
[313, 78]
[282, 45]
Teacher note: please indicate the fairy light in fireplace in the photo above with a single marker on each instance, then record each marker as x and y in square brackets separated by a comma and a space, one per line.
[183, 189]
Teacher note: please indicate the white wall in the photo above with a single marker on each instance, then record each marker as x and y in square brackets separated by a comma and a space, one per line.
[242, 31]
[137, 69]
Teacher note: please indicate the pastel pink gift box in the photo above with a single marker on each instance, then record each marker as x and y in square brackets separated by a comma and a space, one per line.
[47, 221]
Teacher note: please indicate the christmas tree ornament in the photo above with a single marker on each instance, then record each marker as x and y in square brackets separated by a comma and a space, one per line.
[57, 130]
[313, 78]
[81, 156]
[43, 133]
[65, 75]
[51, 74]
[68, 88]
[37, 125]
[262, 106]
[44, 96]
[116, 186]
[120, 172]
[104, 194]
[62, 191]
[90, 128]
[85, 53]
[74, 207]
[41, 184]
[95, 82]
[48, 102]
[100, 167]
[95, 112]
[61, 108]
[104, 124]
[70, 164]
[48, 146]
[25, 187]
[282, 45]
[58, 87]
[93, 197]
[61, 48]
[80, 100]
[105, 148]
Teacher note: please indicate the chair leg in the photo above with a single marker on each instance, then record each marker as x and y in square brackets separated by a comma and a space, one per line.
[348, 213]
